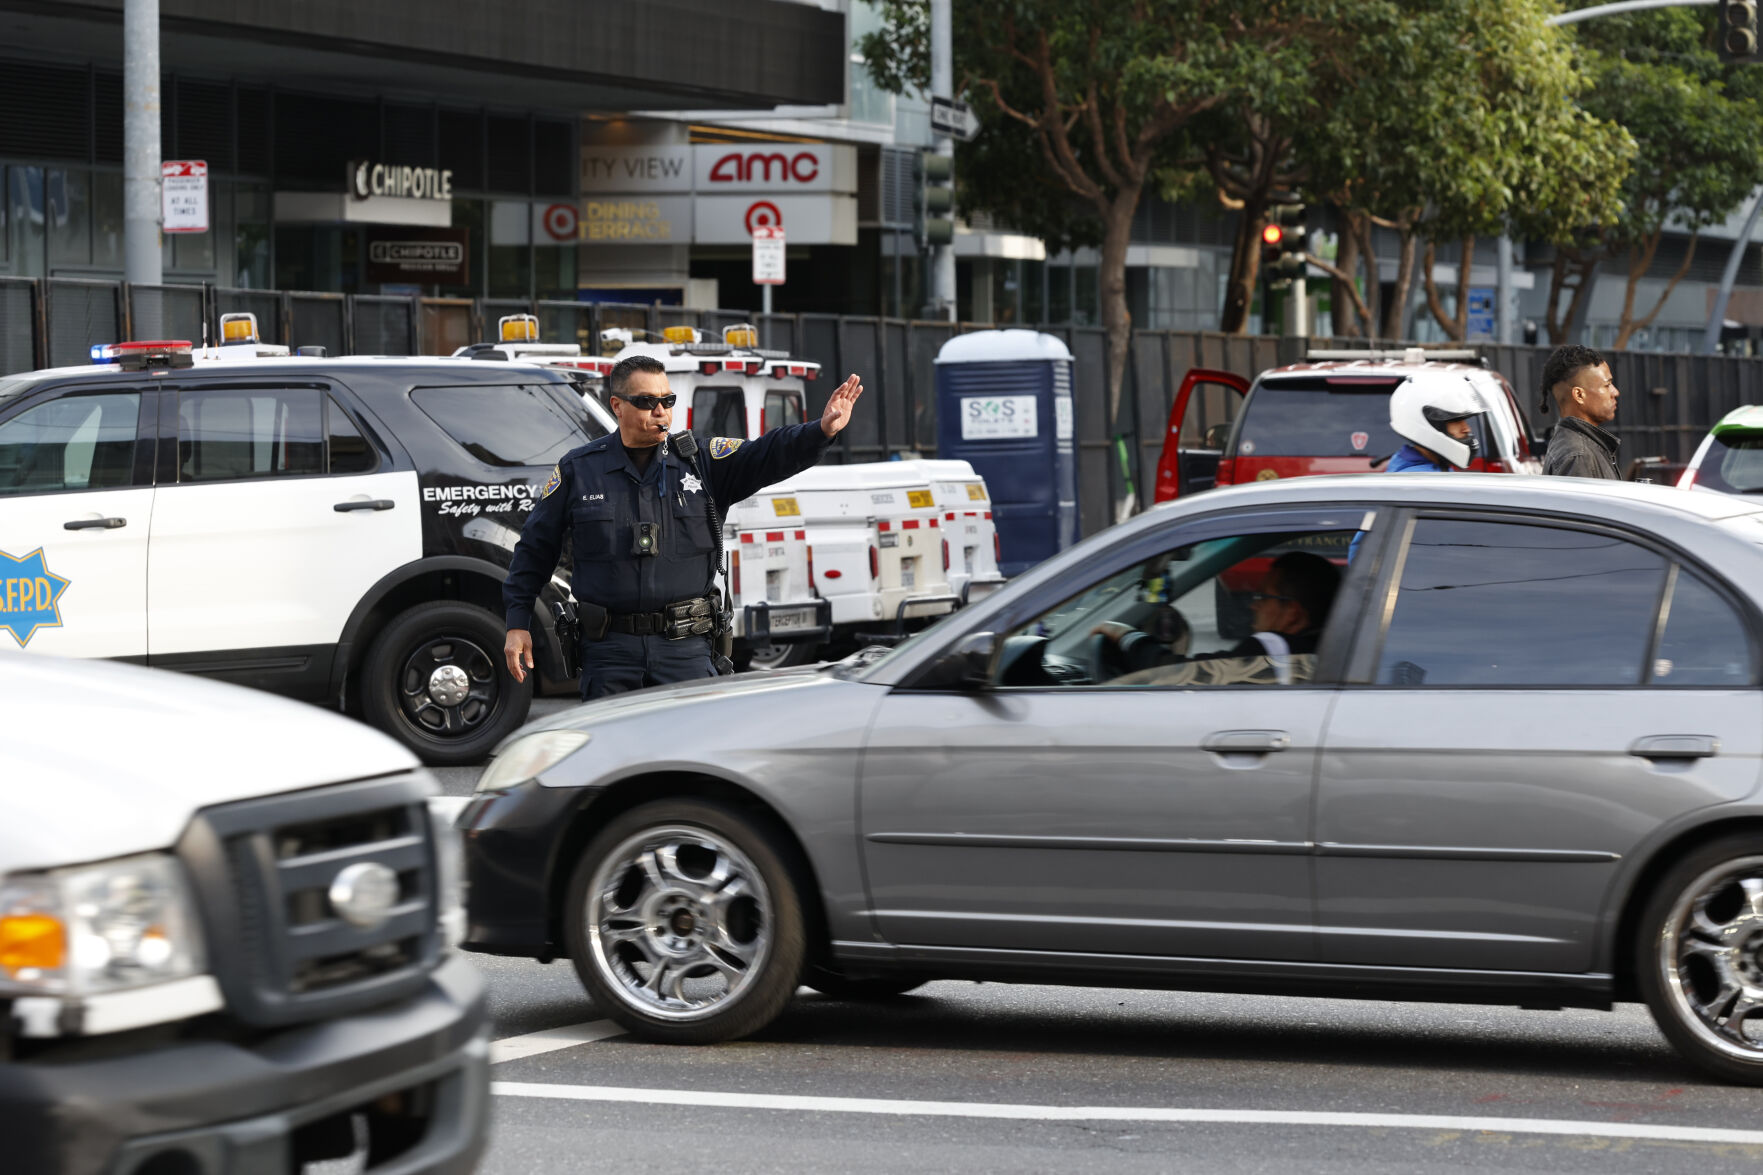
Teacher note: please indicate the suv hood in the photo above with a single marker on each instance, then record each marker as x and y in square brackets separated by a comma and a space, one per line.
[102, 759]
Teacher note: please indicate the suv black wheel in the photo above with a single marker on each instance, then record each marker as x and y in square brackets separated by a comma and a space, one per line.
[684, 923]
[434, 679]
[1700, 957]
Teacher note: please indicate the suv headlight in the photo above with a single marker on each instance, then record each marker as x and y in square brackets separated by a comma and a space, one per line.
[98, 928]
[526, 757]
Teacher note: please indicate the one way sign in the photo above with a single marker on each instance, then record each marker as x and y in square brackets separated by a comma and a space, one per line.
[948, 117]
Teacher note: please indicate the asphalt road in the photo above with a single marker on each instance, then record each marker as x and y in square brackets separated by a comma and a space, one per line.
[1000, 1077]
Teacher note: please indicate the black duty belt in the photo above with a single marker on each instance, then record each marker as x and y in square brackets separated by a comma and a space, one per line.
[675, 621]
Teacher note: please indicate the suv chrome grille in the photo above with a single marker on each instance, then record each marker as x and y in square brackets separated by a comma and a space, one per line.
[266, 872]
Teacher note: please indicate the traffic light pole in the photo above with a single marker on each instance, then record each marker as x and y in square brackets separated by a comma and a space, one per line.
[142, 258]
[942, 84]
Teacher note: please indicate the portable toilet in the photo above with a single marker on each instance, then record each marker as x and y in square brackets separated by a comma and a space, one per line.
[1004, 406]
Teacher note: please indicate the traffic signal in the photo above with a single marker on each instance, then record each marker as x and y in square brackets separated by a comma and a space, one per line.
[1735, 32]
[937, 198]
[1283, 243]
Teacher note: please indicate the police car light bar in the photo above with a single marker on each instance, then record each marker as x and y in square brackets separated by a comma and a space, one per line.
[142, 355]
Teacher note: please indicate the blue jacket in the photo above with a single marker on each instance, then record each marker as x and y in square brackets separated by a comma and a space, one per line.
[597, 497]
[1407, 459]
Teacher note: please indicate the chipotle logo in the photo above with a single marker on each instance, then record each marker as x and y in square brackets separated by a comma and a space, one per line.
[745, 167]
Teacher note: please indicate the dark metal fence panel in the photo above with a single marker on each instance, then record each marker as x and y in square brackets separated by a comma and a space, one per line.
[384, 325]
[820, 342]
[667, 316]
[443, 325]
[265, 304]
[18, 325]
[79, 314]
[1098, 469]
[777, 332]
[319, 320]
[168, 312]
[629, 316]
[568, 322]
[902, 395]
[860, 350]
[924, 340]
[1151, 394]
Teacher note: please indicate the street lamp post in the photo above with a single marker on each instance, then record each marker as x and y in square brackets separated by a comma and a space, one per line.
[142, 260]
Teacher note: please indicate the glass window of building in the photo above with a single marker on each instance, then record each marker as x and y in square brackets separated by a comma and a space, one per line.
[510, 261]
[68, 215]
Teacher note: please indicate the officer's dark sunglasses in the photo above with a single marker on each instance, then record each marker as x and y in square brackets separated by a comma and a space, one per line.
[650, 403]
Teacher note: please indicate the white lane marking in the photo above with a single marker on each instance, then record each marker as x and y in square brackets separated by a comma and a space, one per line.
[551, 1039]
[858, 1105]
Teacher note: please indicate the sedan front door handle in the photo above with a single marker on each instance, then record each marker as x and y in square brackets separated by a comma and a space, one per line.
[1676, 746]
[364, 504]
[95, 524]
[1246, 742]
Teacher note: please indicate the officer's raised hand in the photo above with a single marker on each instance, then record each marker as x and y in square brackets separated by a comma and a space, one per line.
[838, 408]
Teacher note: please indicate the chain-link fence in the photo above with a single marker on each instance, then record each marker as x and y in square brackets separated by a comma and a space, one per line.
[20, 323]
[79, 314]
[168, 312]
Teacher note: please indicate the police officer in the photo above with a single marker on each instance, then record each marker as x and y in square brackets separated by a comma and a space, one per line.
[639, 520]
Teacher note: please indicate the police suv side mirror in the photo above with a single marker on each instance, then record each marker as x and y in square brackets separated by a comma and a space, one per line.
[967, 665]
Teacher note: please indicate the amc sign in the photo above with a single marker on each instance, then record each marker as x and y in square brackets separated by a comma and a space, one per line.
[765, 167]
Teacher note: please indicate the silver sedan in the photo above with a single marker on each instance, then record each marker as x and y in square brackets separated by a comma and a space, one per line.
[1442, 737]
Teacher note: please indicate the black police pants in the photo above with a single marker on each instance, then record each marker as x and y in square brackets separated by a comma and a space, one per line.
[622, 661]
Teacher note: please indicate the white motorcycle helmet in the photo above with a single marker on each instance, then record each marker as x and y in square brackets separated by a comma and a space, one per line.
[1419, 411]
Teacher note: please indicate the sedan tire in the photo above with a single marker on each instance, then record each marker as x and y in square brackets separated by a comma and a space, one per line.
[1700, 958]
[684, 923]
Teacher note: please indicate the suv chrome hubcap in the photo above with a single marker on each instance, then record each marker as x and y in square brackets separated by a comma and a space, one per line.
[677, 922]
[449, 685]
[1712, 955]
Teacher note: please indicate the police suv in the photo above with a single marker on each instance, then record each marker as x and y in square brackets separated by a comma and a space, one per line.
[335, 530]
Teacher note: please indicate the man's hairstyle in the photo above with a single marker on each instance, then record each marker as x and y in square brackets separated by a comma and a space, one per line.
[1563, 365]
[1309, 579]
[620, 378]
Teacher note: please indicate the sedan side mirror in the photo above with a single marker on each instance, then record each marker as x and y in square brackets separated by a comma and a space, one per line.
[968, 665]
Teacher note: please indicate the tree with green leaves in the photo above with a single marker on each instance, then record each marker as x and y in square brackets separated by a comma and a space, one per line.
[1698, 129]
[1468, 120]
[1083, 100]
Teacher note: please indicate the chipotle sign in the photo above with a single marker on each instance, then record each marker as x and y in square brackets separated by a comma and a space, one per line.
[429, 256]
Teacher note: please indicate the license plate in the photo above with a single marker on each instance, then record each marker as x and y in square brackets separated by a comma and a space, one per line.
[890, 539]
[791, 619]
[920, 499]
[909, 573]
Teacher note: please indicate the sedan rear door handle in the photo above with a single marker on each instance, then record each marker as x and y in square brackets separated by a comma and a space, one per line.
[1676, 746]
[95, 524]
[364, 504]
[1246, 742]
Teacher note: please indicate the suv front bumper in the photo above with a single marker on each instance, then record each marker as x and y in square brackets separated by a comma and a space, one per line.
[415, 1071]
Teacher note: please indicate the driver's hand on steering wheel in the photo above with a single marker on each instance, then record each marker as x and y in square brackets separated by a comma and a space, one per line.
[1114, 630]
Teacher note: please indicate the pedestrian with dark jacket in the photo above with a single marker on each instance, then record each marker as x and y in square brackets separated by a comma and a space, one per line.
[1585, 396]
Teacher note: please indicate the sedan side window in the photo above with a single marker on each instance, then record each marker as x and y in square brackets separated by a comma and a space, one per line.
[1510, 604]
[1705, 642]
[1232, 611]
[74, 443]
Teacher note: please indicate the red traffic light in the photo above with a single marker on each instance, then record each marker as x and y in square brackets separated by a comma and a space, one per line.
[1272, 234]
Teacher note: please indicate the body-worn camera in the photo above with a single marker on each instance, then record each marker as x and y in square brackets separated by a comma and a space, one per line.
[645, 538]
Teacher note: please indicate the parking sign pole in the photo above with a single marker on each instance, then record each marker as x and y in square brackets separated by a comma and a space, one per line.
[142, 258]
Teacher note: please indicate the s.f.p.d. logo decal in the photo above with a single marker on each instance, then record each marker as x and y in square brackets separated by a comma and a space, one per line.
[30, 595]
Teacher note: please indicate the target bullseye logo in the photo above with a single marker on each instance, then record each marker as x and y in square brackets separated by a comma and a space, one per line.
[560, 222]
[763, 214]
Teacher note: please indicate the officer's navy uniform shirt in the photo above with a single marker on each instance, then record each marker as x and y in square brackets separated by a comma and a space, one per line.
[597, 497]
